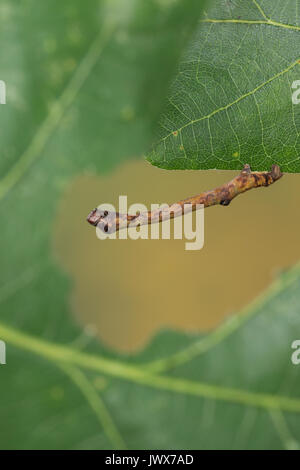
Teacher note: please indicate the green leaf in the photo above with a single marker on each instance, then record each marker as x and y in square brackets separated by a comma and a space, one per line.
[94, 85]
[231, 102]
[235, 388]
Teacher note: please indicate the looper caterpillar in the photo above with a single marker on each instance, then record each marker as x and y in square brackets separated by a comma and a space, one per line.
[110, 222]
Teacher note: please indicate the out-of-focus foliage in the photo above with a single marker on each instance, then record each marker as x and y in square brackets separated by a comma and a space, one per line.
[235, 388]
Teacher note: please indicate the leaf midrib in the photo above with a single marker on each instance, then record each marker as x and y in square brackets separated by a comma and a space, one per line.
[269, 22]
[65, 355]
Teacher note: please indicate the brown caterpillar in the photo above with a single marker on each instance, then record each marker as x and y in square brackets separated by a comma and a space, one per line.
[111, 222]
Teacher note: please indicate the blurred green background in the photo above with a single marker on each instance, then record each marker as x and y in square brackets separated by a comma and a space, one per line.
[138, 345]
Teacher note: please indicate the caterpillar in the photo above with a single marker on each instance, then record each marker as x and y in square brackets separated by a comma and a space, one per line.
[110, 222]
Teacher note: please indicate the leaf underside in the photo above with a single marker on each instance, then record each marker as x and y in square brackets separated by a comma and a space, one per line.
[231, 102]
